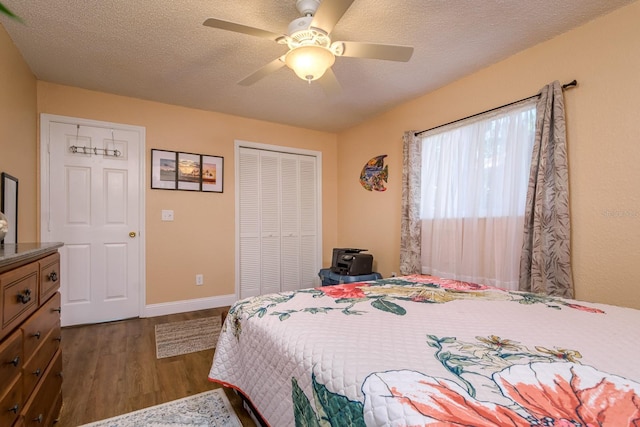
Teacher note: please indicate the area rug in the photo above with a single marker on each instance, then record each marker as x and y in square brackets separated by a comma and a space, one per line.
[211, 409]
[187, 336]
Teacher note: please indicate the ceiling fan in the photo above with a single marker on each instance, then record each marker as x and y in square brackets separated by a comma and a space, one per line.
[311, 51]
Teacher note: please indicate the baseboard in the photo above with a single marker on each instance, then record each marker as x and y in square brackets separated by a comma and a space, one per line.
[164, 308]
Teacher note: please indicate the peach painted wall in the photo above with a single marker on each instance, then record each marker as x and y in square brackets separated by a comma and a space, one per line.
[201, 238]
[603, 128]
[18, 148]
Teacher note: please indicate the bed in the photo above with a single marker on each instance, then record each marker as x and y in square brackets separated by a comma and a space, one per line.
[419, 350]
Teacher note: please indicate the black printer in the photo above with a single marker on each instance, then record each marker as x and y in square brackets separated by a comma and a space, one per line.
[350, 262]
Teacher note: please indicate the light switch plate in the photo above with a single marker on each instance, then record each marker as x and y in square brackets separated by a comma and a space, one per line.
[167, 215]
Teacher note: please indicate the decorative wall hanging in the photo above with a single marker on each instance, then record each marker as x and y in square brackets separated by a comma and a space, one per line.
[9, 207]
[374, 174]
[212, 173]
[171, 170]
[188, 171]
[163, 169]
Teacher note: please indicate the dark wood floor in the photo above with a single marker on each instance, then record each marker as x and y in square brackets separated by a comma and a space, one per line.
[111, 368]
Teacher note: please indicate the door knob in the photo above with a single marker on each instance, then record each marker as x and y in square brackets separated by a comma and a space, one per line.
[132, 234]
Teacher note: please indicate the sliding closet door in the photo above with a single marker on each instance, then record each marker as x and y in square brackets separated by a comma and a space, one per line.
[278, 221]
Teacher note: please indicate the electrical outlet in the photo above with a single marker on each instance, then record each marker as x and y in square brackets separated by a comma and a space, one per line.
[199, 279]
[393, 274]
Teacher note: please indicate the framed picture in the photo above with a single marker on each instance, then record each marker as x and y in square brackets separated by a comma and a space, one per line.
[164, 169]
[9, 206]
[212, 173]
[189, 171]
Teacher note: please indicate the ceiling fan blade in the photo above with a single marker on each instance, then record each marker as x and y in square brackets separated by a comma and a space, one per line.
[330, 84]
[329, 13]
[271, 67]
[376, 51]
[239, 28]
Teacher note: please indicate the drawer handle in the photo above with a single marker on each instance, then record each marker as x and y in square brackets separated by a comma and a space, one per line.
[37, 372]
[59, 309]
[59, 339]
[16, 361]
[53, 276]
[25, 296]
[14, 409]
[38, 419]
[36, 335]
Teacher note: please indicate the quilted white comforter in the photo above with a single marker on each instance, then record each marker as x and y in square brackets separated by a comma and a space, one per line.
[417, 350]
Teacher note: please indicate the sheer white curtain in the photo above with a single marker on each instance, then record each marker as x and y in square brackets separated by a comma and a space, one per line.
[474, 186]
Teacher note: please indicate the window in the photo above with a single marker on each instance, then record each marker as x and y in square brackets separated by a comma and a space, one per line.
[475, 175]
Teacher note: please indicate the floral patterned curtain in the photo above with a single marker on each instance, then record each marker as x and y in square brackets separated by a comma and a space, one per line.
[410, 227]
[545, 262]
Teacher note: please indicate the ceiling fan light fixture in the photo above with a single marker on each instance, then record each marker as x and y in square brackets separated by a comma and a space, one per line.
[309, 62]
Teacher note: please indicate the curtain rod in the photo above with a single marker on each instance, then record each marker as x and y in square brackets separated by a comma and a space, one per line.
[564, 86]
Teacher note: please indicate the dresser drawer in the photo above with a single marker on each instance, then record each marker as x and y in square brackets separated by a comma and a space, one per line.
[54, 414]
[11, 359]
[40, 324]
[35, 367]
[19, 295]
[42, 406]
[49, 276]
[11, 402]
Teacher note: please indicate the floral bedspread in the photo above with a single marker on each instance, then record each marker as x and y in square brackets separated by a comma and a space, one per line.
[418, 350]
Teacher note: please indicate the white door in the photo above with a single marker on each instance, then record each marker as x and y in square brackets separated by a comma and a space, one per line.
[92, 202]
[299, 222]
[290, 222]
[270, 214]
[278, 221]
[310, 220]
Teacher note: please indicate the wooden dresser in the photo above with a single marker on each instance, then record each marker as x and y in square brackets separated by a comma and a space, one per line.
[30, 355]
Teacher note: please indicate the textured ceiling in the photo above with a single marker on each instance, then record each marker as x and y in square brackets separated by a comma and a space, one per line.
[159, 50]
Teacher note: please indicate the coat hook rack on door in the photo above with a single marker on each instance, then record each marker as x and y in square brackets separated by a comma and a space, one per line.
[94, 150]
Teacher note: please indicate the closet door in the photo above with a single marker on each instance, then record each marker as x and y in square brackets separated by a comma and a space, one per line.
[249, 259]
[278, 222]
[270, 221]
[309, 220]
[290, 222]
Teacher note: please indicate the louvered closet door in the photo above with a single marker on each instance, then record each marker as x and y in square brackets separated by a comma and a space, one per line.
[278, 222]
[270, 221]
[308, 222]
[290, 221]
[249, 275]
